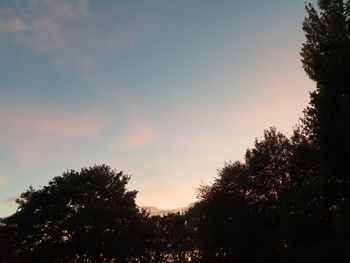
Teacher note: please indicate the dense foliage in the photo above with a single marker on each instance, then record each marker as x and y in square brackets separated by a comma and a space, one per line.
[78, 216]
[288, 201]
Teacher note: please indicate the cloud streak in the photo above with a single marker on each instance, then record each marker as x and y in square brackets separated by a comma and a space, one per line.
[69, 32]
[138, 134]
[31, 133]
[52, 124]
[14, 26]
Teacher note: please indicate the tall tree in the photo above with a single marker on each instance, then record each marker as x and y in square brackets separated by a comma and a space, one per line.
[290, 200]
[326, 57]
[238, 217]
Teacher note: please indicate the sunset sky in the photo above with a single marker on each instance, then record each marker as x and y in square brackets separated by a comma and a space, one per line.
[166, 91]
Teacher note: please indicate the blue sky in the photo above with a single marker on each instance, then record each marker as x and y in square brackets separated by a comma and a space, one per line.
[166, 91]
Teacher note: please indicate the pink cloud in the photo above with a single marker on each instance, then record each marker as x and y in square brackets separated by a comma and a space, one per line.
[31, 134]
[54, 124]
[15, 26]
[66, 126]
[36, 152]
[139, 134]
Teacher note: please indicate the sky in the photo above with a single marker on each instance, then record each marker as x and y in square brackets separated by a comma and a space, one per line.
[166, 91]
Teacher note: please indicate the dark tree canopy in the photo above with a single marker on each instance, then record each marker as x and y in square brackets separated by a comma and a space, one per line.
[289, 201]
[237, 215]
[78, 216]
[326, 56]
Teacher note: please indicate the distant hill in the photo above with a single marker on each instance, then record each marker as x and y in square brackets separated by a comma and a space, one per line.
[157, 211]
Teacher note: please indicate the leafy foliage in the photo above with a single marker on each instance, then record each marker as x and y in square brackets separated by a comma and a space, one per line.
[326, 56]
[79, 215]
[289, 200]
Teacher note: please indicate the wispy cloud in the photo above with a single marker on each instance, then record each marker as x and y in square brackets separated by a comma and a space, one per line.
[53, 124]
[137, 135]
[36, 135]
[15, 25]
[42, 24]
[38, 152]
[70, 32]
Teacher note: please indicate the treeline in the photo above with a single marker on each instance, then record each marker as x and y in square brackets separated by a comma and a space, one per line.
[288, 201]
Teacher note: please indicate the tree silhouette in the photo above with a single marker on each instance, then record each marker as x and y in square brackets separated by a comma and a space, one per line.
[325, 56]
[85, 216]
[289, 201]
[171, 240]
[238, 216]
